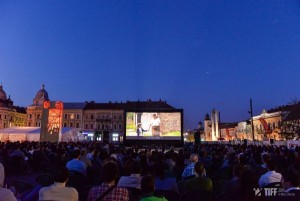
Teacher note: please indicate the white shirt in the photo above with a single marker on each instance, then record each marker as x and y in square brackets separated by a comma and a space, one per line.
[58, 192]
[134, 181]
[6, 195]
[292, 188]
[269, 177]
[156, 122]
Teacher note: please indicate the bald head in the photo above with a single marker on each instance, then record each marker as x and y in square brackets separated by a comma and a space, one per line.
[194, 158]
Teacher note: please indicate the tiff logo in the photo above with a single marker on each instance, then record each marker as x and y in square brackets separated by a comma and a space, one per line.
[265, 191]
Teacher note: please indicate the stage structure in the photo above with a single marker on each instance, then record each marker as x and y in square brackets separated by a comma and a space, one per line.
[51, 127]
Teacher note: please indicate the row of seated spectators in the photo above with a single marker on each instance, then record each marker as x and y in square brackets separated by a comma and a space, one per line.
[104, 172]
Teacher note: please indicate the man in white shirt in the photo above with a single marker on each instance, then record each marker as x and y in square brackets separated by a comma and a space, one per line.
[58, 191]
[134, 180]
[5, 194]
[155, 124]
[271, 176]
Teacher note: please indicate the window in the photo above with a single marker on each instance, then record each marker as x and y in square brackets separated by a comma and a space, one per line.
[71, 116]
[66, 116]
[98, 126]
[39, 124]
[102, 126]
[120, 117]
[77, 125]
[92, 126]
[92, 116]
[71, 125]
[78, 116]
[86, 126]
[65, 124]
[38, 116]
[115, 137]
[115, 117]
[115, 126]
[0, 116]
[120, 126]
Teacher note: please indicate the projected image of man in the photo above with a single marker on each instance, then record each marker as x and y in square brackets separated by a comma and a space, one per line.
[155, 125]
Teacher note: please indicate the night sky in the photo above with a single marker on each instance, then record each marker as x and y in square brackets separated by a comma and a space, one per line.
[197, 55]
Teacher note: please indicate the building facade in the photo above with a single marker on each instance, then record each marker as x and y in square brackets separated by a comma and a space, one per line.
[34, 111]
[10, 115]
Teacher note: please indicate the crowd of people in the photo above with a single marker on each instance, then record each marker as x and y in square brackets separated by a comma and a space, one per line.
[94, 171]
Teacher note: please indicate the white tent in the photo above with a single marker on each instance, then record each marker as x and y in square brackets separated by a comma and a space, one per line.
[20, 134]
[14, 134]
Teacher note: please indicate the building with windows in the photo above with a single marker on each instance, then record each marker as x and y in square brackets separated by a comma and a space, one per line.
[10, 115]
[34, 111]
[73, 114]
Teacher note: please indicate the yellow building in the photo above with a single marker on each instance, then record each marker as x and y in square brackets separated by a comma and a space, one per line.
[266, 125]
[34, 111]
[10, 115]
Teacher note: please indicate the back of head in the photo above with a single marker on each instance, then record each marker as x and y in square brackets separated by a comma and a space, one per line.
[160, 170]
[199, 168]
[76, 153]
[61, 174]
[292, 177]
[110, 171]
[265, 158]
[137, 168]
[237, 170]
[147, 184]
[83, 152]
[194, 158]
[271, 164]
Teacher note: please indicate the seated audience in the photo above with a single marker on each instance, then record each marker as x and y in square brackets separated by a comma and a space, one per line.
[108, 189]
[271, 176]
[84, 158]
[5, 194]
[291, 182]
[147, 185]
[75, 164]
[161, 182]
[189, 170]
[134, 179]
[58, 191]
[199, 182]
[235, 182]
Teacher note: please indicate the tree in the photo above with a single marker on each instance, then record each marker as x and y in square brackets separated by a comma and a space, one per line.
[290, 129]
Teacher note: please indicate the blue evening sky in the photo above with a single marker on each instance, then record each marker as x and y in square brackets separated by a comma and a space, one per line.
[195, 54]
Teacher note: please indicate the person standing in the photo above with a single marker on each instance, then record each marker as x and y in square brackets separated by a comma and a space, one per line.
[58, 191]
[155, 125]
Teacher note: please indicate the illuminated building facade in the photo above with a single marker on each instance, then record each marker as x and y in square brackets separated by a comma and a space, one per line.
[34, 111]
[267, 125]
[10, 115]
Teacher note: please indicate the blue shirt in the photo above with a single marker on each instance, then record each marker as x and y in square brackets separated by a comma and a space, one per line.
[188, 170]
[76, 165]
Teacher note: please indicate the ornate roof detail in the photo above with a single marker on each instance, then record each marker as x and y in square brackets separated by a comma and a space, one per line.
[2, 93]
[41, 96]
